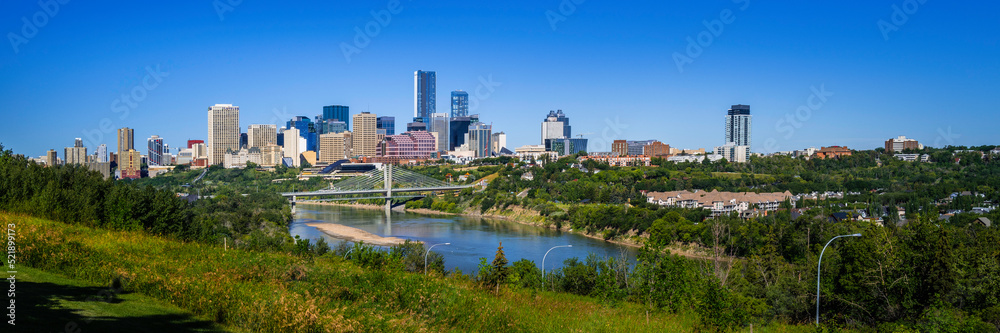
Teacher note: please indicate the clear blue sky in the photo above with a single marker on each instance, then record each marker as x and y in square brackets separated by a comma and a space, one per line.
[604, 63]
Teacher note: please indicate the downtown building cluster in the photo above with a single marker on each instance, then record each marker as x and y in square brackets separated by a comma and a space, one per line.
[335, 135]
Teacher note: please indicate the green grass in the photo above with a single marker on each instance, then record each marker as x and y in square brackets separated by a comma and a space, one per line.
[48, 302]
[254, 291]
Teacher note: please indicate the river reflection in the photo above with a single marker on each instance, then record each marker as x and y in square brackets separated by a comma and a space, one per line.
[470, 238]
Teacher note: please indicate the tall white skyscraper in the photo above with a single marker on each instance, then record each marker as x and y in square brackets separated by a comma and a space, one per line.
[262, 135]
[292, 147]
[738, 126]
[223, 131]
[499, 142]
[102, 153]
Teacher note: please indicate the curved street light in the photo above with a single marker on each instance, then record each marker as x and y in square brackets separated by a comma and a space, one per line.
[543, 262]
[819, 264]
[428, 253]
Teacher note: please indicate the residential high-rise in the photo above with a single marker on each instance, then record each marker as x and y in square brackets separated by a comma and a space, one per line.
[51, 159]
[459, 104]
[365, 134]
[738, 126]
[481, 139]
[338, 113]
[656, 149]
[387, 123]
[499, 142]
[156, 151]
[223, 131]
[424, 95]
[262, 135]
[76, 154]
[457, 129]
[439, 124]
[556, 126]
[335, 146]
[619, 148]
[102, 153]
[126, 141]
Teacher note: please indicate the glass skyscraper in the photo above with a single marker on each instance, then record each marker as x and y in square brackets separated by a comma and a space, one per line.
[424, 95]
[459, 104]
[386, 123]
[439, 124]
[307, 130]
[337, 112]
[738, 126]
[459, 127]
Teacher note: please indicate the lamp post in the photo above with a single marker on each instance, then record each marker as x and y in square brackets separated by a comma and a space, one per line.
[543, 262]
[818, 265]
[428, 253]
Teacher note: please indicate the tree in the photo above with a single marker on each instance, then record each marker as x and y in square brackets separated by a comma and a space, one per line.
[498, 275]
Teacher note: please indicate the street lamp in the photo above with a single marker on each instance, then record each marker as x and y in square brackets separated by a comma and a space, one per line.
[818, 265]
[543, 262]
[428, 253]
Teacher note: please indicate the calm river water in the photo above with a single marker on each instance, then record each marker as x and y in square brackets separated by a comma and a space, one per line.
[470, 238]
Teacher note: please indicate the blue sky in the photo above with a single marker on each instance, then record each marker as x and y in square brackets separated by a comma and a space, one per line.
[610, 66]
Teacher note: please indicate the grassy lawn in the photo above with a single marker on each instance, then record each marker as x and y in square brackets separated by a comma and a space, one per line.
[49, 302]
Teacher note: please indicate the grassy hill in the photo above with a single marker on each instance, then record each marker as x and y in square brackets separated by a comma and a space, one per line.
[271, 292]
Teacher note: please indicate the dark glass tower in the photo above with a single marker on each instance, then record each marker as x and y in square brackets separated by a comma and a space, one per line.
[738, 126]
[386, 123]
[337, 112]
[459, 104]
[424, 95]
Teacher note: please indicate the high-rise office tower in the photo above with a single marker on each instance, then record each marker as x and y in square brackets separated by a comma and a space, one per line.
[738, 125]
[102, 153]
[459, 104]
[457, 131]
[364, 135]
[223, 131]
[439, 124]
[292, 148]
[335, 146]
[556, 126]
[424, 95]
[387, 123]
[130, 164]
[126, 141]
[338, 113]
[156, 150]
[262, 135]
[481, 139]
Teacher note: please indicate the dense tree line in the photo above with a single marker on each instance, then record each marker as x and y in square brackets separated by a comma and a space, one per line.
[76, 195]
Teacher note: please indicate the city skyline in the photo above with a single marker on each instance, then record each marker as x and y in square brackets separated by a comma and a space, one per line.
[821, 74]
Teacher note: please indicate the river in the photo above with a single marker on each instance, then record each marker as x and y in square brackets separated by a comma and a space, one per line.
[470, 238]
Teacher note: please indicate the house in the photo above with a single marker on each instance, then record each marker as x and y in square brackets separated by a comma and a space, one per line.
[984, 221]
[528, 176]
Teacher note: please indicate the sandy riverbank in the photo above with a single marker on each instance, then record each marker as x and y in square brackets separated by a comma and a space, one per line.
[355, 234]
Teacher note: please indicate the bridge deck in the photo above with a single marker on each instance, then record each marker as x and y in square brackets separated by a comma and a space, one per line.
[372, 191]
